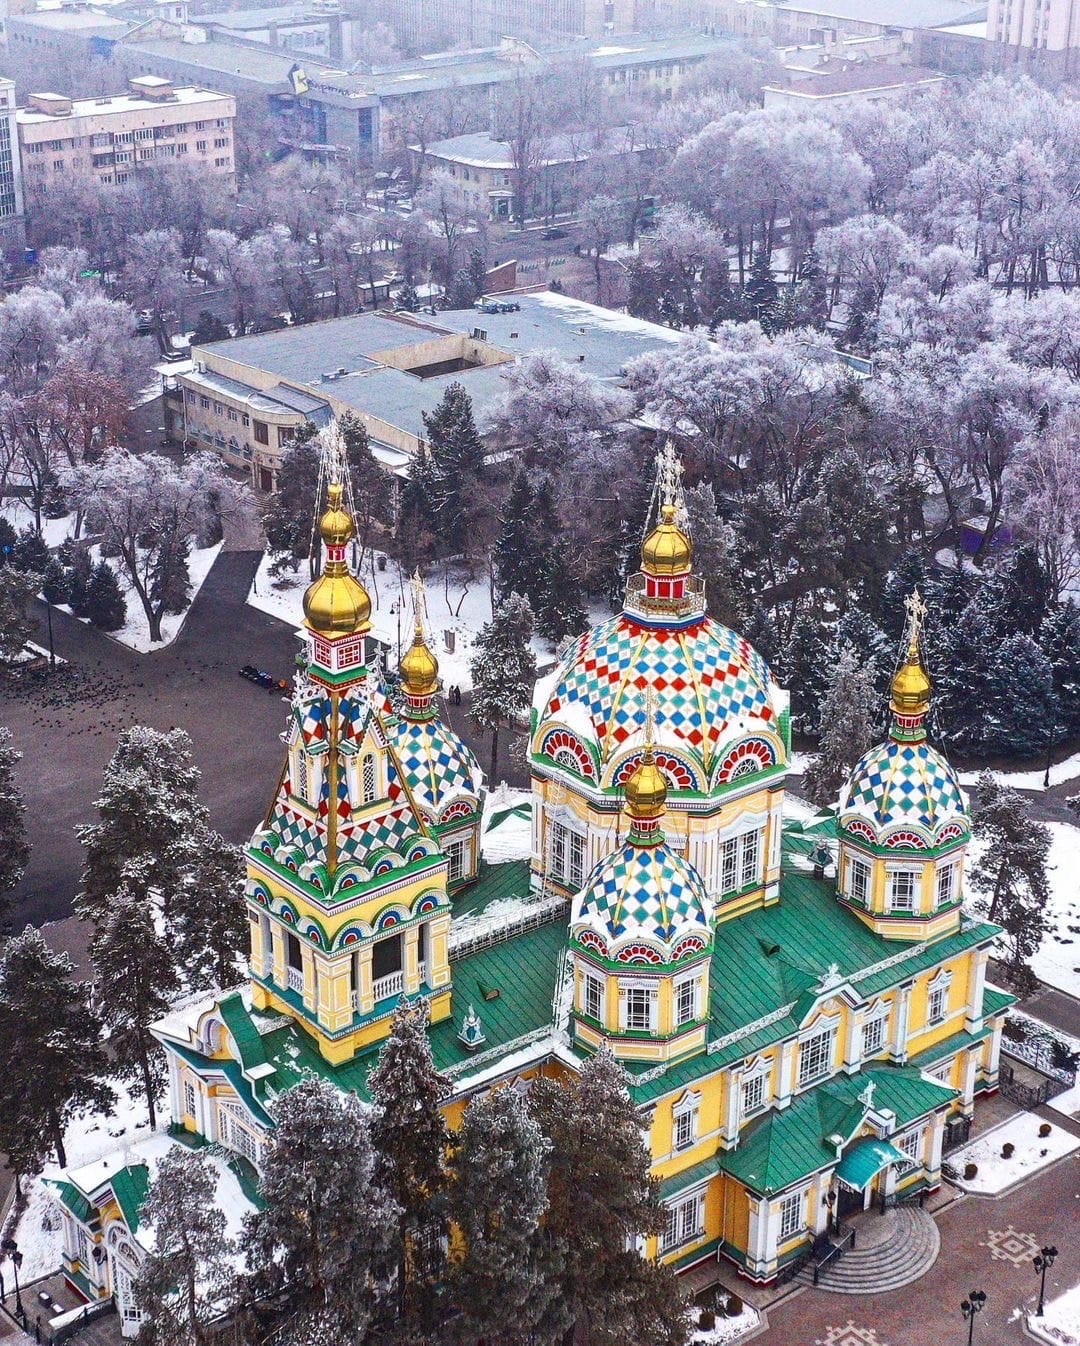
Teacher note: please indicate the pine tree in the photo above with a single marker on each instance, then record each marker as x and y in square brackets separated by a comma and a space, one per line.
[760, 630]
[14, 846]
[850, 714]
[79, 581]
[514, 554]
[716, 556]
[417, 527]
[457, 457]
[104, 602]
[408, 299]
[498, 1195]
[324, 1237]
[959, 656]
[8, 539]
[30, 553]
[209, 327]
[859, 630]
[289, 518]
[51, 1057]
[184, 1282]
[1025, 591]
[208, 915]
[503, 670]
[132, 956]
[760, 290]
[861, 308]
[1020, 712]
[559, 608]
[17, 624]
[1059, 640]
[170, 580]
[54, 581]
[148, 811]
[601, 1198]
[410, 1139]
[1010, 875]
[811, 293]
[804, 660]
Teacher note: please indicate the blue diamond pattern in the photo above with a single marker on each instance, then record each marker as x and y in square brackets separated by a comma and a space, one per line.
[643, 890]
[897, 783]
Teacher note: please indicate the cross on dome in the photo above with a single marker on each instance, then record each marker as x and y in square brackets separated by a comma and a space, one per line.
[916, 616]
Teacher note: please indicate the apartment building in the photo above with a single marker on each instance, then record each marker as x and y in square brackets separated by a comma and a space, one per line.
[1039, 35]
[109, 139]
[11, 193]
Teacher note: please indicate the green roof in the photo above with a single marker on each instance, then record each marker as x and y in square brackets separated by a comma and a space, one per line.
[689, 1177]
[994, 1001]
[787, 1145]
[245, 1034]
[957, 1042]
[864, 1161]
[494, 883]
[72, 1198]
[129, 1187]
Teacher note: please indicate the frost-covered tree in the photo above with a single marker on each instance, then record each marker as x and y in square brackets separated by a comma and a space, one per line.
[104, 603]
[134, 965]
[558, 603]
[601, 1199]
[51, 1057]
[1059, 640]
[518, 544]
[804, 658]
[716, 557]
[17, 625]
[54, 581]
[410, 1139]
[186, 1278]
[14, 845]
[148, 510]
[1020, 712]
[498, 1194]
[289, 518]
[207, 914]
[324, 1237]
[850, 712]
[148, 811]
[503, 670]
[1011, 874]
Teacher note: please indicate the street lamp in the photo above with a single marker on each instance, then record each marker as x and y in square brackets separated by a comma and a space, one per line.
[970, 1307]
[1043, 1260]
[10, 1247]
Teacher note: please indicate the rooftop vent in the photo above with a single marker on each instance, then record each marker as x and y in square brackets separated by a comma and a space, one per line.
[52, 104]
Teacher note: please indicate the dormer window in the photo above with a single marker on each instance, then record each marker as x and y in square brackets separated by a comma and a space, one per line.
[369, 779]
[302, 776]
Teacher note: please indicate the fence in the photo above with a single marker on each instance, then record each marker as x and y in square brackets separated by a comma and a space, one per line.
[1029, 1096]
[480, 932]
[1039, 1054]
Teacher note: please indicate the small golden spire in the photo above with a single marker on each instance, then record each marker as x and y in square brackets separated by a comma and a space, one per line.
[419, 668]
[646, 790]
[336, 603]
[911, 685]
[667, 550]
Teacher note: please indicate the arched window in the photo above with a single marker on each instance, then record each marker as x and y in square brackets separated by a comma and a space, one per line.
[369, 779]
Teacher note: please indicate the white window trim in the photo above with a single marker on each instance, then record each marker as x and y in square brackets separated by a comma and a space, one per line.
[786, 1202]
[689, 1106]
[749, 825]
[653, 992]
[820, 1029]
[851, 862]
[592, 978]
[876, 1017]
[693, 979]
[685, 1231]
[916, 878]
[952, 868]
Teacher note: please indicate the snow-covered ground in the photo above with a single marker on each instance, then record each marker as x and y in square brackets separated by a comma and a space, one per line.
[1032, 1152]
[1068, 1103]
[725, 1329]
[20, 516]
[1060, 1322]
[1032, 779]
[457, 608]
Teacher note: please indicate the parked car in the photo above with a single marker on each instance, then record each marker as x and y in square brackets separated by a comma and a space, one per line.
[553, 232]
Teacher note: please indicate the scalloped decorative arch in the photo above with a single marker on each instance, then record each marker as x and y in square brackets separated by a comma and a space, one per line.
[687, 947]
[420, 851]
[589, 939]
[905, 836]
[393, 916]
[950, 832]
[287, 912]
[745, 759]
[567, 750]
[678, 773]
[353, 935]
[460, 808]
[425, 903]
[639, 954]
[258, 892]
[858, 827]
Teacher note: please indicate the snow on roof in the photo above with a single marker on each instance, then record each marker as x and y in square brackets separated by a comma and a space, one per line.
[506, 831]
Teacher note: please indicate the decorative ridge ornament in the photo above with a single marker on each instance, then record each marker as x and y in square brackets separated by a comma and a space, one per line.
[419, 668]
[911, 686]
[664, 593]
[646, 790]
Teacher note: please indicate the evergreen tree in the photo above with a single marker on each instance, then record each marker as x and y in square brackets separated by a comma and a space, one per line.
[17, 625]
[78, 581]
[417, 523]
[457, 457]
[30, 553]
[805, 658]
[858, 629]
[760, 290]
[1059, 640]
[408, 299]
[761, 632]
[323, 1239]
[8, 539]
[14, 846]
[716, 298]
[410, 1139]
[289, 518]
[50, 1041]
[601, 1198]
[959, 655]
[497, 1197]
[716, 556]
[1025, 591]
[559, 608]
[170, 579]
[148, 811]
[104, 602]
[861, 309]
[207, 913]
[469, 282]
[185, 1279]
[503, 670]
[514, 555]
[209, 327]
[132, 956]
[1020, 712]
[1010, 876]
[54, 581]
[850, 715]
[811, 293]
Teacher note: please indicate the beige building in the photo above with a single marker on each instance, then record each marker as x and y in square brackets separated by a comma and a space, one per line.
[1038, 34]
[109, 139]
[871, 82]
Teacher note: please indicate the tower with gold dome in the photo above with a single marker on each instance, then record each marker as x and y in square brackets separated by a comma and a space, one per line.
[722, 730]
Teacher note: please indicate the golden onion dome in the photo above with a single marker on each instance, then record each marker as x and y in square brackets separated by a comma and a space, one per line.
[337, 604]
[419, 669]
[646, 790]
[911, 687]
[667, 549]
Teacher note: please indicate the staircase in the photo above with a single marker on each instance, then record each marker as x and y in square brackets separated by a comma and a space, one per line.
[891, 1250]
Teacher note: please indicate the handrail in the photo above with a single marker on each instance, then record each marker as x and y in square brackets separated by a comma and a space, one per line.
[846, 1241]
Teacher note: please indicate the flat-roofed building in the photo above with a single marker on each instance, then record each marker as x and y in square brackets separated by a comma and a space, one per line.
[1038, 35]
[109, 139]
[11, 192]
[870, 82]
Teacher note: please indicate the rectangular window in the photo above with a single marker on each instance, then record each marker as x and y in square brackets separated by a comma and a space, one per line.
[753, 1093]
[204, 402]
[189, 1098]
[369, 778]
[219, 409]
[262, 433]
[815, 1056]
[729, 864]
[200, 145]
[946, 884]
[740, 860]
[910, 1146]
[685, 1221]
[858, 881]
[902, 889]
[873, 1035]
[233, 415]
[567, 856]
[686, 1001]
[639, 1009]
[303, 777]
[455, 854]
[750, 865]
[937, 1004]
[791, 1216]
[685, 1129]
[593, 997]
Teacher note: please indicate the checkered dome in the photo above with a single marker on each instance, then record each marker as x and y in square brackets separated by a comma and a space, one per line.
[708, 683]
[898, 785]
[438, 767]
[644, 892]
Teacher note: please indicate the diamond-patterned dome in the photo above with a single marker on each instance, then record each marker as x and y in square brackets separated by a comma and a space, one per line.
[647, 892]
[901, 785]
[708, 685]
[438, 767]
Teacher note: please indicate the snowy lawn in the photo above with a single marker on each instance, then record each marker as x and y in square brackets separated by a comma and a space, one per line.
[1032, 1153]
[1060, 1323]
[457, 607]
[725, 1329]
[20, 516]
